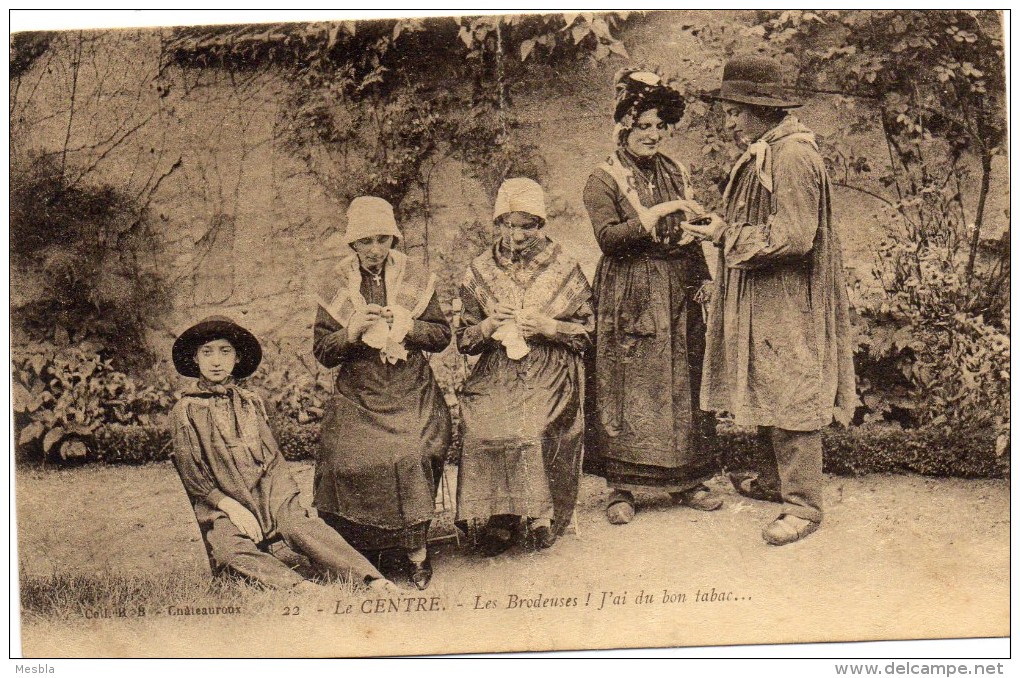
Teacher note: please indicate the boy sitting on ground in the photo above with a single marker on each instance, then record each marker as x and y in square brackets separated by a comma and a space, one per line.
[243, 495]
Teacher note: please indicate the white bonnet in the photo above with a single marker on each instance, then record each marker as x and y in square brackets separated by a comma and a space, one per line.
[520, 195]
[368, 216]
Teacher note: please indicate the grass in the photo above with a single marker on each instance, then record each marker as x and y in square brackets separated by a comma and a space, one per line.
[70, 596]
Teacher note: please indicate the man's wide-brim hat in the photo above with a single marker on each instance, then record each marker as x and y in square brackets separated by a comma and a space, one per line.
[247, 347]
[369, 216]
[756, 81]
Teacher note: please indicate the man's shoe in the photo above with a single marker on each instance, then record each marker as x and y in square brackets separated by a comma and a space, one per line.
[787, 529]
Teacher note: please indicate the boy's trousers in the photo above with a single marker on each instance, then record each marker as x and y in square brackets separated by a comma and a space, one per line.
[280, 514]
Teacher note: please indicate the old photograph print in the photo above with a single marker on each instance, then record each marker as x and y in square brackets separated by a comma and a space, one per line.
[493, 334]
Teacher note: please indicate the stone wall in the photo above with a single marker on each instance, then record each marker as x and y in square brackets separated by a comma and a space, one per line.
[246, 229]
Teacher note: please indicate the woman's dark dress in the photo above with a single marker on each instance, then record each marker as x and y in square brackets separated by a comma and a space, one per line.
[385, 432]
[523, 419]
[647, 430]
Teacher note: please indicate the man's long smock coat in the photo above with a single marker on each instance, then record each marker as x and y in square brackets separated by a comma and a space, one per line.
[778, 351]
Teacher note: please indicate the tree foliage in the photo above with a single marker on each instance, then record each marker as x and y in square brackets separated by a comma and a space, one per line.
[85, 266]
[381, 103]
[83, 248]
[938, 81]
[25, 49]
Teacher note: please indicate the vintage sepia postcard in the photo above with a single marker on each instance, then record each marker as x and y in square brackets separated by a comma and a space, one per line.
[503, 333]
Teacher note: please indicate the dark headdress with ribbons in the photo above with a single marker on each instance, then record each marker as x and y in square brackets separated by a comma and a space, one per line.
[639, 90]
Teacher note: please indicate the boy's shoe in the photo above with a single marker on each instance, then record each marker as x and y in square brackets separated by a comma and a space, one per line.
[421, 573]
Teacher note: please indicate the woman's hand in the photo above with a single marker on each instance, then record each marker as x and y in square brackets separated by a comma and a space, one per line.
[361, 320]
[387, 315]
[688, 206]
[650, 216]
[502, 314]
[704, 231]
[534, 324]
[244, 519]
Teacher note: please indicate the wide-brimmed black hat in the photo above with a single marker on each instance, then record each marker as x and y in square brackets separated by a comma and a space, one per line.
[640, 90]
[754, 80]
[249, 351]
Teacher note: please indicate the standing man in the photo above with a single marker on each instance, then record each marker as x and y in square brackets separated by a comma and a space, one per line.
[778, 354]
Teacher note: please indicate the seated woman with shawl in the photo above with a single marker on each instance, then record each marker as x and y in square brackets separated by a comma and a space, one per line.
[386, 430]
[527, 313]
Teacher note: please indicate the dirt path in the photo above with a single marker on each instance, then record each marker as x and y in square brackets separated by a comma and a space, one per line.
[898, 557]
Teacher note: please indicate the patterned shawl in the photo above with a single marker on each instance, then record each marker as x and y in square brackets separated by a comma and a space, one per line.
[543, 279]
[409, 287]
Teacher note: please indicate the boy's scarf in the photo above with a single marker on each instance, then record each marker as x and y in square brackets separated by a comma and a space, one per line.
[242, 420]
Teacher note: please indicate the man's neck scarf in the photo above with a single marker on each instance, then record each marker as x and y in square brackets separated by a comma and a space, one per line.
[761, 152]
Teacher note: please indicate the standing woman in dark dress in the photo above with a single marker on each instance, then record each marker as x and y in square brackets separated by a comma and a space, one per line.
[649, 433]
[387, 428]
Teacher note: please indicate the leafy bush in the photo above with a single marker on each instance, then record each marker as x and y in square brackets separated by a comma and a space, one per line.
[293, 387]
[58, 394]
[83, 262]
[296, 441]
[67, 393]
[848, 451]
[133, 444]
[882, 449]
[922, 333]
[141, 444]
